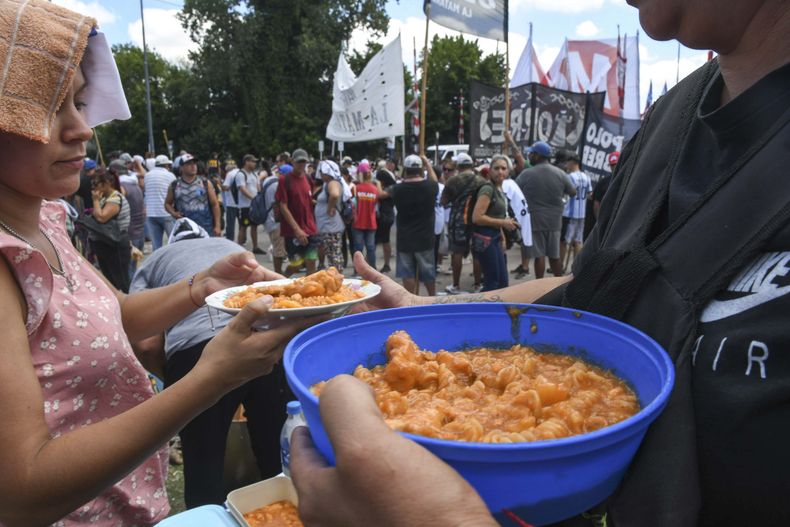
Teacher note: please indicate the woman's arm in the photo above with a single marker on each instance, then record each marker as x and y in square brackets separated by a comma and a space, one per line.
[479, 216]
[45, 477]
[105, 213]
[214, 204]
[334, 189]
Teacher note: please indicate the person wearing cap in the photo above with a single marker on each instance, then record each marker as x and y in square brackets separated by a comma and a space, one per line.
[365, 223]
[177, 351]
[130, 187]
[574, 213]
[158, 221]
[456, 189]
[192, 196]
[271, 225]
[329, 221]
[247, 185]
[298, 227]
[415, 199]
[545, 187]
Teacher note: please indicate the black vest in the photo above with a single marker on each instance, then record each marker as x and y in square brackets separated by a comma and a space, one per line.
[660, 282]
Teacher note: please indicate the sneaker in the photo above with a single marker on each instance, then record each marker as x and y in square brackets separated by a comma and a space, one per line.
[477, 288]
[519, 269]
[453, 290]
[258, 250]
[386, 269]
[519, 276]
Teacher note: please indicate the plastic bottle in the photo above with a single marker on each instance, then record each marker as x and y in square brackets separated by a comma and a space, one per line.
[295, 418]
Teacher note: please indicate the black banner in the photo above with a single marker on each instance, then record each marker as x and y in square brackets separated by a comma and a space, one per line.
[604, 134]
[484, 18]
[537, 113]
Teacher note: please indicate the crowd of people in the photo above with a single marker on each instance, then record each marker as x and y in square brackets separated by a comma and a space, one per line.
[316, 213]
[690, 246]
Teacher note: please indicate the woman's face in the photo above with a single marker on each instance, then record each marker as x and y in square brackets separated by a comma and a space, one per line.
[498, 171]
[48, 170]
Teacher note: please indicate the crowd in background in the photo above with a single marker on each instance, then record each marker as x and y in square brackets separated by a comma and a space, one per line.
[317, 212]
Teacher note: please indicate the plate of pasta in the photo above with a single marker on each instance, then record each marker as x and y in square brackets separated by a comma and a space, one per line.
[323, 292]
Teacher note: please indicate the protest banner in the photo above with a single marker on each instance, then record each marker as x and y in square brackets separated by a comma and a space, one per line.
[537, 113]
[371, 106]
[484, 18]
[603, 135]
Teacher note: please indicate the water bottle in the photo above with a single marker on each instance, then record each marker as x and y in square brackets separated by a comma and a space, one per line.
[295, 418]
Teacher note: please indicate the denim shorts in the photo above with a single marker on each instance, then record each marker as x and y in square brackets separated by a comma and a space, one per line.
[422, 261]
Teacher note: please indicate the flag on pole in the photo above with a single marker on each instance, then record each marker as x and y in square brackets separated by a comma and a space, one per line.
[528, 68]
[621, 67]
[371, 106]
[461, 119]
[649, 96]
[487, 19]
[414, 107]
[664, 91]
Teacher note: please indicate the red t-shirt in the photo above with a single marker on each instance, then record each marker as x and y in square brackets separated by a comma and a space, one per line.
[296, 193]
[365, 216]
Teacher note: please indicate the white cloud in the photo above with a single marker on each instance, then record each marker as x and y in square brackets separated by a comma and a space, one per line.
[587, 29]
[94, 9]
[559, 6]
[666, 71]
[163, 33]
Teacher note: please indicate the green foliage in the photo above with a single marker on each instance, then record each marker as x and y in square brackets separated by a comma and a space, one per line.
[261, 79]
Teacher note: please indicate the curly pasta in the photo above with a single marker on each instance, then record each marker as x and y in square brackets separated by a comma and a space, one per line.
[318, 289]
[493, 396]
[278, 514]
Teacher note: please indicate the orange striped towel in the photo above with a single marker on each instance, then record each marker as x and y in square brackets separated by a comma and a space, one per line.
[41, 45]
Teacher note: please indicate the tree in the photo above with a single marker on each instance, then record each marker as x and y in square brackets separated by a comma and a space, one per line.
[268, 66]
[452, 63]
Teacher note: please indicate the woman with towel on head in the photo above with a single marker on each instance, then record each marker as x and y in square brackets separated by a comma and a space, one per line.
[329, 201]
[82, 435]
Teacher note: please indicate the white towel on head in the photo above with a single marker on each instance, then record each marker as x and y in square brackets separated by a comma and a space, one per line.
[104, 97]
[331, 169]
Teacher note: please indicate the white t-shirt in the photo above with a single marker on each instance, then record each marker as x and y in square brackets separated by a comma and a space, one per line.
[519, 205]
[575, 206]
[271, 190]
[250, 182]
[227, 195]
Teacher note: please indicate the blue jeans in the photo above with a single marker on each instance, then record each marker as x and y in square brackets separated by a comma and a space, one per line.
[231, 213]
[157, 227]
[365, 241]
[487, 248]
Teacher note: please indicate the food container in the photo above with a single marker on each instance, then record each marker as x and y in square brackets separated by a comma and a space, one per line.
[239, 501]
[542, 481]
[261, 494]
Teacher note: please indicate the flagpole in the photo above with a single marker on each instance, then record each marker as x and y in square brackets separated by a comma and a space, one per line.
[423, 92]
[506, 144]
[677, 70]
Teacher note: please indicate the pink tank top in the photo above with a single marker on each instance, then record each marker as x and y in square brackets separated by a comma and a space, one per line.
[85, 366]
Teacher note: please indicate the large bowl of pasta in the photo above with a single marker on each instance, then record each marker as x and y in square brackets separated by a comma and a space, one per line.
[545, 447]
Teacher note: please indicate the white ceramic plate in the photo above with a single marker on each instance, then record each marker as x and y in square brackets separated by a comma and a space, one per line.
[217, 300]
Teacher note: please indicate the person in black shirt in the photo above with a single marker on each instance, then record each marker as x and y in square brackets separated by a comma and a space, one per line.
[385, 216]
[692, 246]
[415, 199]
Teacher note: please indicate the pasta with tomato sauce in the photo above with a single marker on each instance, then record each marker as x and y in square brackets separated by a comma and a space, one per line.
[493, 396]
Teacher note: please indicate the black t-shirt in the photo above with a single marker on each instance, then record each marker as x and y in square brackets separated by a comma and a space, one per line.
[386, 207]
[415, 203]
[741, 359]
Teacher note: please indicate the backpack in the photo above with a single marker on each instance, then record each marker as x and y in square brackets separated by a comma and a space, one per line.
[234, 189]
[345, 208]
[460, 225]
[259, 211]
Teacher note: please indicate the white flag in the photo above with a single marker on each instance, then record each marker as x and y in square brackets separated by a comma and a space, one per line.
[371, 106]
[528, 68]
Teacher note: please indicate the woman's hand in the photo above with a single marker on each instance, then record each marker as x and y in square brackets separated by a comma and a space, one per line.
[240, 353]
[510, 224]
[96, 195]
[232, 270]
[381, 478]
[392, 294]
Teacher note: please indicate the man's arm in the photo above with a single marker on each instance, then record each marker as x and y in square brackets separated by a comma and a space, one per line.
[429, 168]
[520, 161]
[243, 187]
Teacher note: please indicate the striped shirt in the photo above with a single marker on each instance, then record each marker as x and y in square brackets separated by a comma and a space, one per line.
[157, 182]
[575, 207]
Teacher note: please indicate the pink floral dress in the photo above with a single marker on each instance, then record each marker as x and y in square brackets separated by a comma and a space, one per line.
[85, 366]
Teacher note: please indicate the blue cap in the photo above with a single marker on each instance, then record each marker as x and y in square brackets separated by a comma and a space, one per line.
[540, 148]
[88, 164]
[286, 169]
[293, 408]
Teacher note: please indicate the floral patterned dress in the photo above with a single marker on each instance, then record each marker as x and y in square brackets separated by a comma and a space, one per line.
[85, 366]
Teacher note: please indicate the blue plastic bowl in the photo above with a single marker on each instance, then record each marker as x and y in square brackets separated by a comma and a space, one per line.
[542, 481]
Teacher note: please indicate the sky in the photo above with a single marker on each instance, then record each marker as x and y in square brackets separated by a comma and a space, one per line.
[552, 20]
